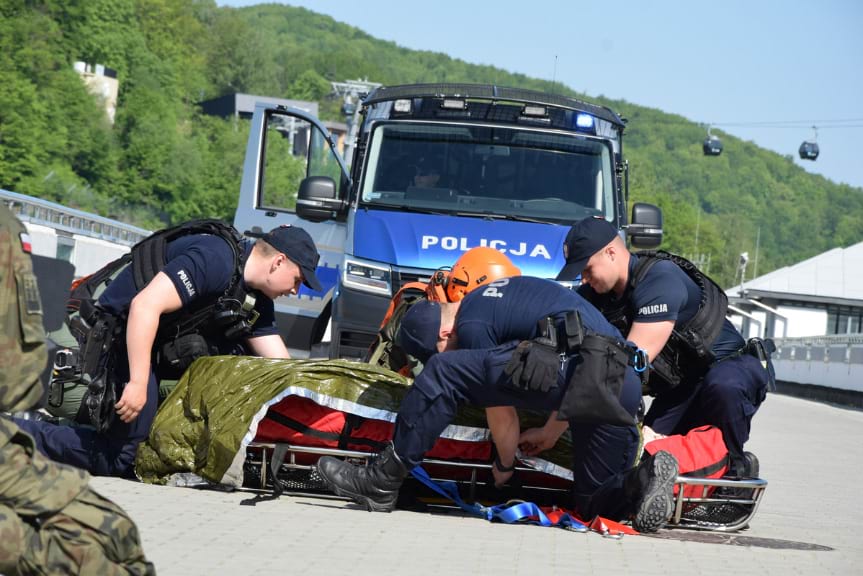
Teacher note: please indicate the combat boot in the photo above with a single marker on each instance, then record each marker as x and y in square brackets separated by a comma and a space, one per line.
[655, 476]
[375, 486]
[751, 468]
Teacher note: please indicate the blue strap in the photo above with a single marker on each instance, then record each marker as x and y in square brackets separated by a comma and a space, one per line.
[528, 512]
[509, 513]
[448, 490]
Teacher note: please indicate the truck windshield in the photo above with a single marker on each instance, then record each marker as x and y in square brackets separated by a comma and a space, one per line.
[488, 171]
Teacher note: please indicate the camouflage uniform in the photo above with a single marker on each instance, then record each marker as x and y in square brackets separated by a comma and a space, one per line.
[50, 521]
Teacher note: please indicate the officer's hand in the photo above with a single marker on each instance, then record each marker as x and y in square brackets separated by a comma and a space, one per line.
[500, 478]
[131, 402]
[534, 365]
[535, 440]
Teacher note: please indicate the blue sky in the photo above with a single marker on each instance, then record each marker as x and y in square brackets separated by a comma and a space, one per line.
[726, 61]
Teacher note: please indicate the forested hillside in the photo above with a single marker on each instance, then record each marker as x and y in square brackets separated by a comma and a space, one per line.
[162, 161]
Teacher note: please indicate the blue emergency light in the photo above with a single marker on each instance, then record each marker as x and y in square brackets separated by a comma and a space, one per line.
[584, 121]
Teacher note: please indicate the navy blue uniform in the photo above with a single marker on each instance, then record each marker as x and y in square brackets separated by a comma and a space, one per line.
[490, 322]
[732, 388]
[201, 267]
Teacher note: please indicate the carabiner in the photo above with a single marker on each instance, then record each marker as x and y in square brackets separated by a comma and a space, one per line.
[640, 360]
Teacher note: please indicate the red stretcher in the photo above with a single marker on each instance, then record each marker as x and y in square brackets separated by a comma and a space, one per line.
[297, 431]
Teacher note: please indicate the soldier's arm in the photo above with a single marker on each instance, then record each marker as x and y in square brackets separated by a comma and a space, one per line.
[157, 298]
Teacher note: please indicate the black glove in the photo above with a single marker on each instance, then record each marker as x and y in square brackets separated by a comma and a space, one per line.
[534, 365]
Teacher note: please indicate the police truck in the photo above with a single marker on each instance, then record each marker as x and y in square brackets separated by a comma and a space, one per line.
[436, 169]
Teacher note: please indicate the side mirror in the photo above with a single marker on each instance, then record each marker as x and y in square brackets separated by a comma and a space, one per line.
[645, 228]
[317, 199]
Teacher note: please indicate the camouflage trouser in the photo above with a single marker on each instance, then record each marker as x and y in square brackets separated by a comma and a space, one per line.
[51, 522]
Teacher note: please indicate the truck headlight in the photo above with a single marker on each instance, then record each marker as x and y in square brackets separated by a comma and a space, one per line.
[368, 277]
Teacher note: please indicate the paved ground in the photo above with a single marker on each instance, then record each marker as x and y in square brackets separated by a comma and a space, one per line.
[810, 453]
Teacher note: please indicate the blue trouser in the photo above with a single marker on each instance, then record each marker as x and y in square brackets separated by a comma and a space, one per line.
[727, 397]
[111, 453]
[602, 453]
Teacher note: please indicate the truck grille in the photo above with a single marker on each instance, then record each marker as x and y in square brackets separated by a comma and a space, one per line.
[402, 277]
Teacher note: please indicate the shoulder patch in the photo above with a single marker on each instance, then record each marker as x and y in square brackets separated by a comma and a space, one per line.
[26, 243]
[652, 309]
[187, 282]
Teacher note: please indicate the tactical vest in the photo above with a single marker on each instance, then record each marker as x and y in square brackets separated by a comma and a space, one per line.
[230, 316]
[687, 354]
[182, 336]
[384, 351]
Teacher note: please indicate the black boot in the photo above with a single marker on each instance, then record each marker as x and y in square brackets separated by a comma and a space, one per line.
[752, 467]
[654, 485]
[375, 486]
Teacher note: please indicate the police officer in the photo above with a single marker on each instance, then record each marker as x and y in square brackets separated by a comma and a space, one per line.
[198, 270]
[502, 361]
[702, 371]
[50, 520]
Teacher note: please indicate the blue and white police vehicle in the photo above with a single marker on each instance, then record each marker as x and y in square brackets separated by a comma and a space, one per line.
[436, 169]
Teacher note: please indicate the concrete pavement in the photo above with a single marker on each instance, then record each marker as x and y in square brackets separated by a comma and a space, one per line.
[810, 453]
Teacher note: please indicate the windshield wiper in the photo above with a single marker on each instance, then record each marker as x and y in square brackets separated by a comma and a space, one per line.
[404, 208]
[495, 216]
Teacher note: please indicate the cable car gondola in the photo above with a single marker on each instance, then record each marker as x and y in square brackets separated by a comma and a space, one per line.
[809, 149]
[712, 144]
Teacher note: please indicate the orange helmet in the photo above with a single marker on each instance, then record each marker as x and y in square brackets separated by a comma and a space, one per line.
[476, 267]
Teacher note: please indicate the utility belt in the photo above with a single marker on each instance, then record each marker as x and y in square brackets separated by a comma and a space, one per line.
[568, 336]
[762, 349]
[594, 388]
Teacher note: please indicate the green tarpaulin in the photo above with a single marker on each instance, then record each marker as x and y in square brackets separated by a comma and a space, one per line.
[211, 416]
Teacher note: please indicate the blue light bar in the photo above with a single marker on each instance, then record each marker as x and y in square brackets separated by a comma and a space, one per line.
[584, 121]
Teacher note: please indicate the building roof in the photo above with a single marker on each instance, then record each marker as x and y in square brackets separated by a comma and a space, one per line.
[835, 276]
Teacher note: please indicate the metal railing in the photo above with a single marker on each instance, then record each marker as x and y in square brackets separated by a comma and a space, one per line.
[832, 362]
[846, 348]
[59, 217]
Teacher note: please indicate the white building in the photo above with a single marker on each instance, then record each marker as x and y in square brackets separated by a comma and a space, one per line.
[821, 296]
[102, 83]
[813, 311]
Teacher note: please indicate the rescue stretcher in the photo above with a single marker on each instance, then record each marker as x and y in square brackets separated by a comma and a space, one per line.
[721, 505]
[269, 436]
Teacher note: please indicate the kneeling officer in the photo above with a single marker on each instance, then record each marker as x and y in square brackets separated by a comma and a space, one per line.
[189, 291]
[533, 344]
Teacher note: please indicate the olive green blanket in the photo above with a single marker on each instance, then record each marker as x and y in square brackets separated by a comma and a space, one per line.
[206, 423]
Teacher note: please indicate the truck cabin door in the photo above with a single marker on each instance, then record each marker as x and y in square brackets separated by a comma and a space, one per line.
[290, 153]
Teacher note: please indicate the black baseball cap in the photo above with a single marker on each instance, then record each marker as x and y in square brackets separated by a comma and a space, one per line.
[586, 237]
[298, 246]
[418, 333]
